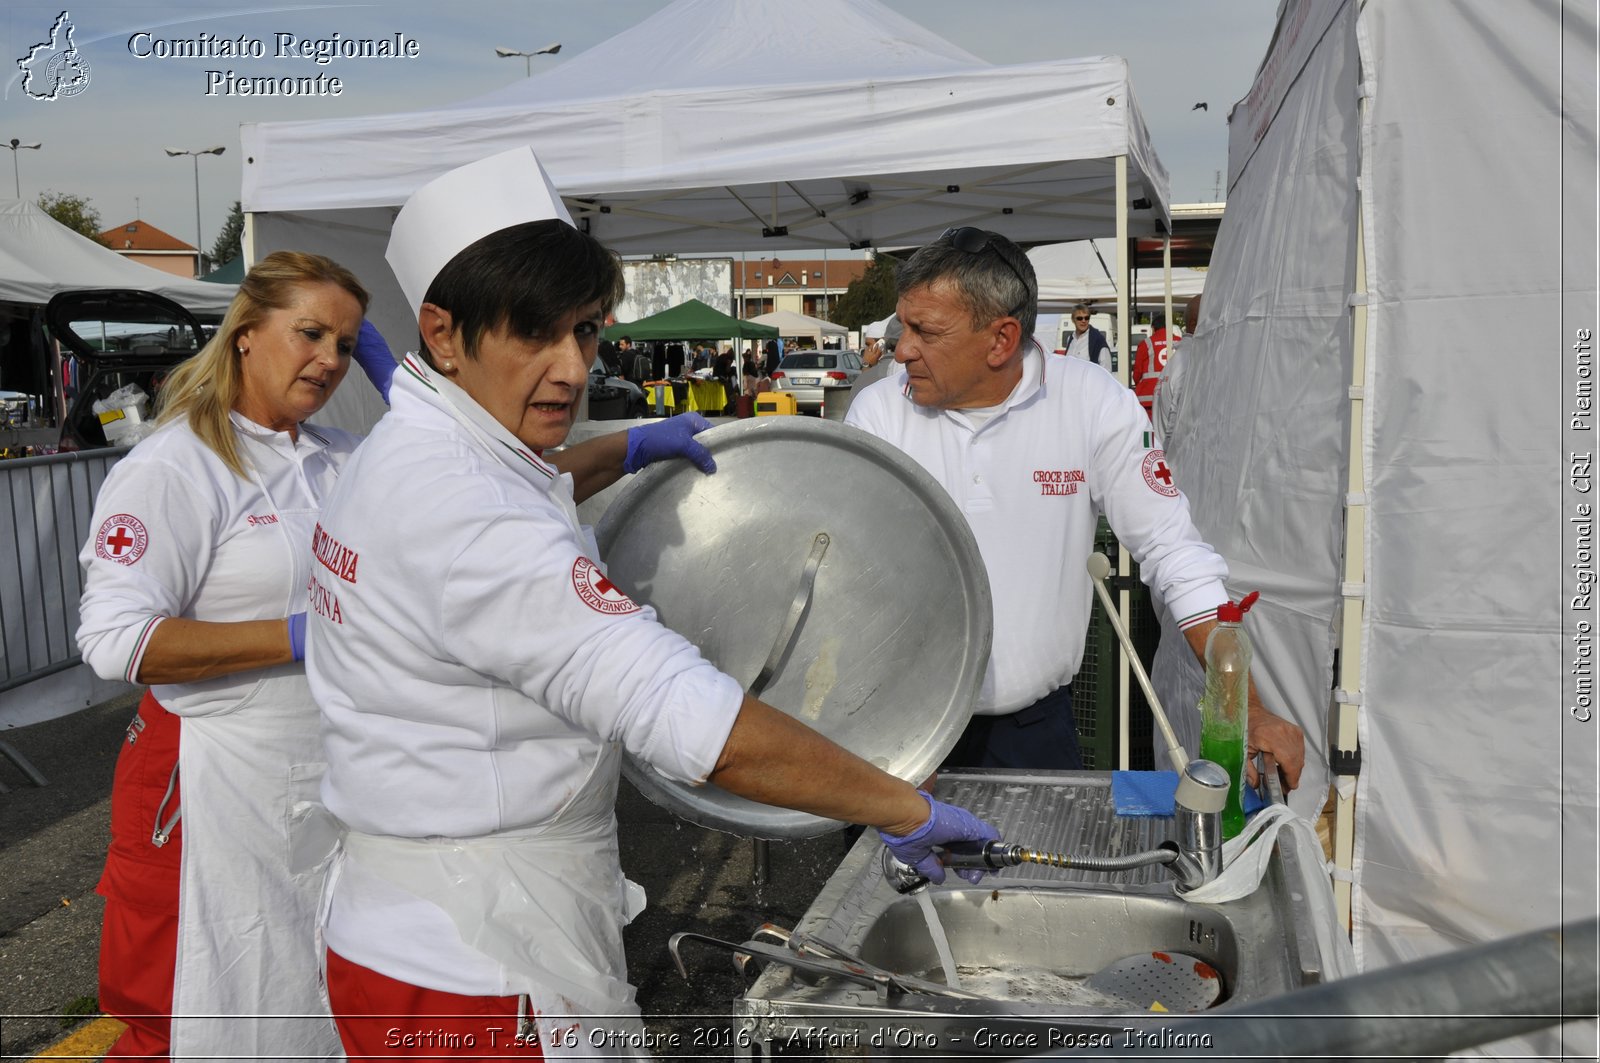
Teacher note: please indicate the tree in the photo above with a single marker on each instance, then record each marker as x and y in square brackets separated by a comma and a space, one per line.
[72, 211]
[869, 299]
[230, 241]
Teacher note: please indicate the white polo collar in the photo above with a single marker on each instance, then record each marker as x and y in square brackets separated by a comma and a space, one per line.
[419, 381]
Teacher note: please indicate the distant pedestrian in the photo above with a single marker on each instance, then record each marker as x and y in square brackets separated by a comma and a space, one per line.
[1089, 342]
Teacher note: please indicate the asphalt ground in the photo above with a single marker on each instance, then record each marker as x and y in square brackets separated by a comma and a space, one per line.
[53, 841]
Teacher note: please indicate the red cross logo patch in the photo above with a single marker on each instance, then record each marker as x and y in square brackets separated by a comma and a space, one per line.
[122, 539]
[1158, 474]
[599, 593]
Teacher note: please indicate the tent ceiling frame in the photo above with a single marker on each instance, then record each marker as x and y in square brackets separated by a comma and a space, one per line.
[796, 225]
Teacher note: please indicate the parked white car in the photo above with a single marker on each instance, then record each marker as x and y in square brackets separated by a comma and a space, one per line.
[809, 375]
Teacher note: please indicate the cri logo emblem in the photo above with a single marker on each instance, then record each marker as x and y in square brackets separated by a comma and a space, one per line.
[597, 592]
[54, 69]
[122, 539]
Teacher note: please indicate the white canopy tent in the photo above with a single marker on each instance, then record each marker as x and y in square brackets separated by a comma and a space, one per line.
[1081, 272]
[789, 323]
[874, 330]
[743, 124]
[40, 257]
[1371, 430]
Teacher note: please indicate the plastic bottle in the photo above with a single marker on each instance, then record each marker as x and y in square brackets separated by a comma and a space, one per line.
[1225, 706]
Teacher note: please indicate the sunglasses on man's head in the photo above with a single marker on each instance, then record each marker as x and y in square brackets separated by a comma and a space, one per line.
[1080, 317]
[975, 241]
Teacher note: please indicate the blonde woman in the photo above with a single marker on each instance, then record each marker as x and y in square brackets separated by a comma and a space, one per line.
[196, 573]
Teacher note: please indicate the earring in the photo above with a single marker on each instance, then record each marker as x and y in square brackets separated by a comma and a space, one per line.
[240, 351]
[449, 367]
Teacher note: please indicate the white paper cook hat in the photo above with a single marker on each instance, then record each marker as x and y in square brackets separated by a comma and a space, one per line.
[454, 211]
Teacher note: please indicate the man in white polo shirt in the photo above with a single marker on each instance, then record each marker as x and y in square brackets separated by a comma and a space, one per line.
[1033, 449]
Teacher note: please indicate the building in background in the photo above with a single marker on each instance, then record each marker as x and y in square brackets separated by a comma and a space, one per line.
[805, 285]
[149, 246]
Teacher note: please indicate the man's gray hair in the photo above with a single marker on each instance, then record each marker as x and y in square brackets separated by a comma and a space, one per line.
[990, 282]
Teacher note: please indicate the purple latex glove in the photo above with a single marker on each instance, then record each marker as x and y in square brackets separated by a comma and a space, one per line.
[297, 635]
[372, 355]
[672, 438]
[949, 827]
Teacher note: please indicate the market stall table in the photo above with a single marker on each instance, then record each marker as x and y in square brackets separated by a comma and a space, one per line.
[676, 396]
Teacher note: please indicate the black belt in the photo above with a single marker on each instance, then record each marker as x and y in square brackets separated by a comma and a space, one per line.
[1039, 710]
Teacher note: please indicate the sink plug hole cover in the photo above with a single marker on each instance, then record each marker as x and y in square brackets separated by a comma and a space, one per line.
[1164, 981]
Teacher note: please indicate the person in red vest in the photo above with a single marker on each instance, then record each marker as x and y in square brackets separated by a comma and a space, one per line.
[1148, 361]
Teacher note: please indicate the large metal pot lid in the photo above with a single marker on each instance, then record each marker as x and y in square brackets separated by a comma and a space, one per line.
[888, 648]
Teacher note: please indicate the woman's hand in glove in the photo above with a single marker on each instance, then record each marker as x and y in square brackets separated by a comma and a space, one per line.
[949, 827]
[297, 635]
[372, 355]
[672, 438]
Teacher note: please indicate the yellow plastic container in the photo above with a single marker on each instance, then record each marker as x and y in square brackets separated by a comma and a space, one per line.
[774, 403]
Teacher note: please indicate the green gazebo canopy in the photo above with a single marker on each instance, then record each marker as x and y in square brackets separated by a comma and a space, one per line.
[230, 272]
[693, 320]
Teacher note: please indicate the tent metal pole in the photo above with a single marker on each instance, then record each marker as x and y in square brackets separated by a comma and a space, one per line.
[247, 239]
[1343, 756]
[1124, 359]
[1166, 275]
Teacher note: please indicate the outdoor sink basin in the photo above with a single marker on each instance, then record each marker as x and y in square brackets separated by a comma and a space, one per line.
[1033, 944]
[1029, 938]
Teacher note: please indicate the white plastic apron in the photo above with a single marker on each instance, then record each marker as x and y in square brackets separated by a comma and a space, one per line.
[255, 851]
[547, 903]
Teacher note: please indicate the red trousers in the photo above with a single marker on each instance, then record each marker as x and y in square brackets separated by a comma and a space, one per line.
[139, 937]
[382, 1018]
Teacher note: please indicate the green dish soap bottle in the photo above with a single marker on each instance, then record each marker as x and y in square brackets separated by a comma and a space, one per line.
[1225, 705]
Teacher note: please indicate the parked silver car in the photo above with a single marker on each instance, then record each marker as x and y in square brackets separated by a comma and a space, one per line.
[809, 375]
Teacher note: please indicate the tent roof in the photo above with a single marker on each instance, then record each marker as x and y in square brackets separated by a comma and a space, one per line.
[876, 329]
[747, 39]
[692, 320]
[789, 323]
[747, 124]
[1073, 273]
[40, 257]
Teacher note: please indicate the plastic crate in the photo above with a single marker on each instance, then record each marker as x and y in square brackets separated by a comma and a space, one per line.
[771, 403]
[1094, 688]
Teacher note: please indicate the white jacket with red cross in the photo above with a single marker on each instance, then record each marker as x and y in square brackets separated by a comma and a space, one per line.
[1068, 444]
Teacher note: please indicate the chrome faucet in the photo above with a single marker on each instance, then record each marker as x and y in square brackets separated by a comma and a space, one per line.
[1195, 859]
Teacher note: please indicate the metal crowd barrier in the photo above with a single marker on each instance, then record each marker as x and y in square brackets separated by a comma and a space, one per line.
[45, 507]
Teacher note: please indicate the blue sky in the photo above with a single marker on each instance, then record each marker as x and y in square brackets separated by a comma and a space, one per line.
[107, 142]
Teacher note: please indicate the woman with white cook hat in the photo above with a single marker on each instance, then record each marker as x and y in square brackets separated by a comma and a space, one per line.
[479, 676]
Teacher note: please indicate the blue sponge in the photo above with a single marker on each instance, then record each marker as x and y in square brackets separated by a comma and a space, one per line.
[1153, 793]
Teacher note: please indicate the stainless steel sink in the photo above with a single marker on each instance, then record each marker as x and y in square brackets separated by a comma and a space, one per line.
[1029, 938]
[1034, 944]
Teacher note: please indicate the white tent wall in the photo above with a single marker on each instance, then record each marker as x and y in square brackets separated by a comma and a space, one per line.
[1475, 805]
[1261, 431]
[355, 239]
[1463, 829]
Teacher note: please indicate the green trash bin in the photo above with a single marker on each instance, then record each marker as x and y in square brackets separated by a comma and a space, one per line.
[1094, 688]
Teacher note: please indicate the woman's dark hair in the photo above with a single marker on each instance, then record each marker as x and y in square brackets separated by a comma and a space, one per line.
[524, 279]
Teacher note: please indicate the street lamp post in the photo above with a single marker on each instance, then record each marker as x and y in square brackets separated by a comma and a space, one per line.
[16, 174]
[199, 246]
[508, 53]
